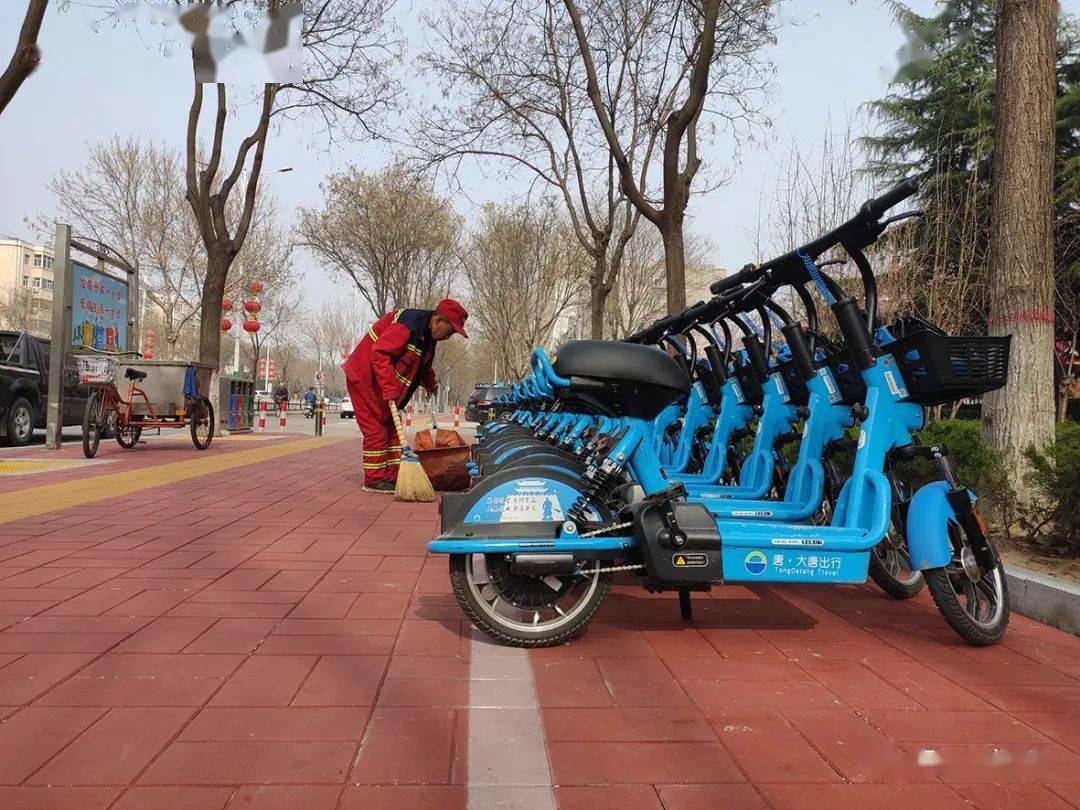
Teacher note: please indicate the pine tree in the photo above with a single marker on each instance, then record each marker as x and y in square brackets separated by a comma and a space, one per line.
[937, 124]
[940, 122]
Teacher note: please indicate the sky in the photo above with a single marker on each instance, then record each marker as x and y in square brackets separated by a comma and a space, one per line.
[96, 81]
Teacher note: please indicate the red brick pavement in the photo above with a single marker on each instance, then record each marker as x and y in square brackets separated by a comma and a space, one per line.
[269, 637]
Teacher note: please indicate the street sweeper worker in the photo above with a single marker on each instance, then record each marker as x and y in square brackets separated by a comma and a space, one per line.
[393, 359]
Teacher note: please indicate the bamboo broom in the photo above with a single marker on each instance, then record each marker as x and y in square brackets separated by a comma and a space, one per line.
[412, 482]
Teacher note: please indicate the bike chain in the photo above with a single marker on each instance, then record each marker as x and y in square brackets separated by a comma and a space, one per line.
[611, 568]
[610, 528]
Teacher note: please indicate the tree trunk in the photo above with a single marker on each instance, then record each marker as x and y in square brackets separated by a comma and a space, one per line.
[674, 266]
[1021, 249]
[217, 271]
[598, 295]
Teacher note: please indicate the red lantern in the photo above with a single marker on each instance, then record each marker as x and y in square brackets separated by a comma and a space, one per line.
[226, 324]
[148, 355]
[226, 305]
[252, 326]
[255, 287]
[253, 306]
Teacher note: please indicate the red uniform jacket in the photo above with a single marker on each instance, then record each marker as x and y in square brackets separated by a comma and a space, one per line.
[391, 355]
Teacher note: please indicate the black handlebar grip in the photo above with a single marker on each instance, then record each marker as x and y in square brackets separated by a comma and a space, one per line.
[897, 194]
[748, 273]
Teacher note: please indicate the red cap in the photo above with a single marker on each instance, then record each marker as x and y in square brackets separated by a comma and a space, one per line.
[455, 313]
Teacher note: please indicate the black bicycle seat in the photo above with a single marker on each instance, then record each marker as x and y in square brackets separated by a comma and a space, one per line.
[135, 376]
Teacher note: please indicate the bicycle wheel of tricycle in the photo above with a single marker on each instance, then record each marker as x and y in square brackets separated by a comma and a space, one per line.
[201, 417]
[526, 611]
[127, 437]
[92, 424]
[972, 599]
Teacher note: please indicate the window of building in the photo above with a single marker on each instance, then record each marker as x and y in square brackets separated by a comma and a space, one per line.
[26, 258]
[37, 283]
[41, 260]
[46, 284]
[26, 281]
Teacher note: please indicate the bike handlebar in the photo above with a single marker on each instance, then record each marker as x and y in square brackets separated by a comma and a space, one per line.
[748, 273]
[877, 206]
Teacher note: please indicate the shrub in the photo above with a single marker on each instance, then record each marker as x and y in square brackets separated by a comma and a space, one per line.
[975, 465]
[1055, 516]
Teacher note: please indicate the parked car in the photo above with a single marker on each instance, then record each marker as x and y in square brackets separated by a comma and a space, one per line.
[24, 388]
[482, 401]
[347, 411]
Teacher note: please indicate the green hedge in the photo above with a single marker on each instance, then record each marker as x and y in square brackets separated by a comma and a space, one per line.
[1055, 515]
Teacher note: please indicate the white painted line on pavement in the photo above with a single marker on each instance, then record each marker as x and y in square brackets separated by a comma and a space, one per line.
[508, 762]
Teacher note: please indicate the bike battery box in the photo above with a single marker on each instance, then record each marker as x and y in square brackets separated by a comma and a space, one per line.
[696, 561]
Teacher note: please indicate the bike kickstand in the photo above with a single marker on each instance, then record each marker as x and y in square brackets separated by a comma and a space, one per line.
[684, 604]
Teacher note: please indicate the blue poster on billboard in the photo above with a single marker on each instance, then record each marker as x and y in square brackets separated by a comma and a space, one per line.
[99, 313]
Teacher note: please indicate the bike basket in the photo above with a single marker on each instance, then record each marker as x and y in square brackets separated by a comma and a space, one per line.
[848, 378]
[796, 385]
[938, 368]
[94, 368]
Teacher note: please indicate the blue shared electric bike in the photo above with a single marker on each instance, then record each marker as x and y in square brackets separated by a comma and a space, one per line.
[586, 476]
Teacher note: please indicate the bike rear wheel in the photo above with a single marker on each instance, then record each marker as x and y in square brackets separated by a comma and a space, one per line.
[93, 424]
[526, 611]
[128, 436]
[890, 566]
[201, 417]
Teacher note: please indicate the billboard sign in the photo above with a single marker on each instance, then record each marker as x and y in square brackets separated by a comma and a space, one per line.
[99, 305]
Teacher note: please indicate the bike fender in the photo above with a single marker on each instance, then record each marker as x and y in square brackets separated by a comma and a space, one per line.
[928, 516]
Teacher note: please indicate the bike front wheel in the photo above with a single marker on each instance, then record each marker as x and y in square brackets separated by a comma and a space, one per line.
[973, 599]
[93, 424]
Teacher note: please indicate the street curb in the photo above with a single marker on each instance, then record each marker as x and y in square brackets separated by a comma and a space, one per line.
[1047, 599]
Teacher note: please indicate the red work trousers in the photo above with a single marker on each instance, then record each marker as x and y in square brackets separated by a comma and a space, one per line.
[382, 453]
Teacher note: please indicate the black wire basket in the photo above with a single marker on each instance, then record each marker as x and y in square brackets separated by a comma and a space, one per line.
[938, 368]
[848, 378]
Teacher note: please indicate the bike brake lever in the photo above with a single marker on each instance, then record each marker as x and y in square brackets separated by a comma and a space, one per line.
[899, 217]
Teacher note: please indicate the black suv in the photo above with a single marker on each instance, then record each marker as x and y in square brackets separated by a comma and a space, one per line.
[482, 402]
[24, 388]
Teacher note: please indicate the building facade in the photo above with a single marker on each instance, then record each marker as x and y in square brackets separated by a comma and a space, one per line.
[26, 286]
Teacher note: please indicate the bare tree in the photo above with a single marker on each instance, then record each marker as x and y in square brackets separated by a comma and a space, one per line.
[524, 268]
[27, 55]
[389, 233]
[1021, 414]
[695, 50]
[21, 310]
[329, 336]
[1068, 343]
[131, 196]
[638, 296]
[281, 306]
[349, 46]
[510, 72]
